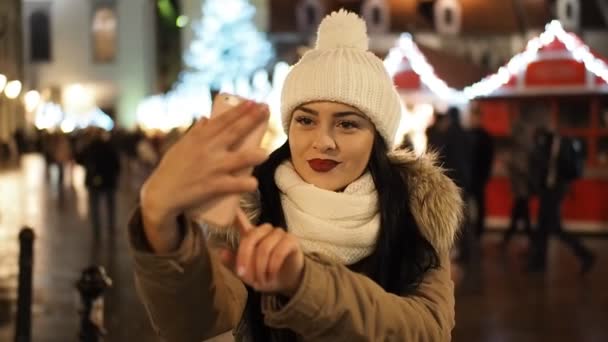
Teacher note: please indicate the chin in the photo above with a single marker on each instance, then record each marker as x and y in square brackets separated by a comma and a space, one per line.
[326, 184]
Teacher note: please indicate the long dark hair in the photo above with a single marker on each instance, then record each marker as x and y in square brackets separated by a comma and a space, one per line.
[402, 255]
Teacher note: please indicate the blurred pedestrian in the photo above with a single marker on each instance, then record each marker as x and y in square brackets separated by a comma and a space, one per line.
[553, 163]
[62, 157]
[482, 155]
[518, 168]
[101, 162]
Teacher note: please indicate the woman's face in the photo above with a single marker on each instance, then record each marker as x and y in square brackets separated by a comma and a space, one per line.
[330, 144]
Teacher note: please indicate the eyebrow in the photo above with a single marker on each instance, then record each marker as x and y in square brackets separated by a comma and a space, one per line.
[336, 114]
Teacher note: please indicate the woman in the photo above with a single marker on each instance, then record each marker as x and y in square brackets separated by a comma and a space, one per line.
[364, 252]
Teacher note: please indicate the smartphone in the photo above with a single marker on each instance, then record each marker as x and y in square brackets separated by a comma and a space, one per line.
[224, 102]
[222, 212]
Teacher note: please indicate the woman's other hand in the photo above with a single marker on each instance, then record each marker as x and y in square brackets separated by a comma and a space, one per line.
[200, 167]
[268, 259]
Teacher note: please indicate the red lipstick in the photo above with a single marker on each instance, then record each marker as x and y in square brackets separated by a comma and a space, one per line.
[322, 165]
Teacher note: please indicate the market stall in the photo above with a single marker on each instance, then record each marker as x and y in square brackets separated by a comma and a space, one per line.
[560, 80]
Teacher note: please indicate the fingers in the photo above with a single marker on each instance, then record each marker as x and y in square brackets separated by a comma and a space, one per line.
[263, 254]
[229, 184]
[246, 112]
[201, 122]
[287, 246]
[241, 128]
[242, 222]
[270, 260]
[245, 256]
[244, 159]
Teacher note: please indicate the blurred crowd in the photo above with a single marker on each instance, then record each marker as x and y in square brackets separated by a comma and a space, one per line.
[538, 162]
[112, 160]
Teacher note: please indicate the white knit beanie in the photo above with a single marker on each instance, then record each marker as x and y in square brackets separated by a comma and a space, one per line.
[341, 69]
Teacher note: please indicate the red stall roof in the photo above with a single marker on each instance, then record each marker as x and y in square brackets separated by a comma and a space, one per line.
[555, 62]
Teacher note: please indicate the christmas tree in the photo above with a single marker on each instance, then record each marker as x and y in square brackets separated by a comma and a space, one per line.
[227, 53]
[227, 46]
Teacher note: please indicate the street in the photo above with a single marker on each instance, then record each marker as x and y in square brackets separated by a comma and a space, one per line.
[496, 299]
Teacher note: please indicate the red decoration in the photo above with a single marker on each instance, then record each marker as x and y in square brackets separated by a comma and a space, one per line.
[408, 80]
[495, 117]
[556, 72]
[555, 45]
[512, 82]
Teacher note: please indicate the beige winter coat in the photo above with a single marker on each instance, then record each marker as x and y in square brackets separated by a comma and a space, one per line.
[191, 296]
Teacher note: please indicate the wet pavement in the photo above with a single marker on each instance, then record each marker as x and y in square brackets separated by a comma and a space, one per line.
[503, 303]
[496, 300]
[64, 246]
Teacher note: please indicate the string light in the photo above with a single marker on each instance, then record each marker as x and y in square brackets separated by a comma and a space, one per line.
[3, 81]
[406, 48]
[31, 100]
[554, 30]
[12, 89]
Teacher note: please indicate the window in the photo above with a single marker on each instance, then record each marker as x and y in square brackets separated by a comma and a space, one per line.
[376, 14]
[448, 16]
[602, 139]
[602, 151]
[104, 25]
[535, 112]
[309, 14]
[604, 114]
[40, 36]
[568, 12]
[574, 113]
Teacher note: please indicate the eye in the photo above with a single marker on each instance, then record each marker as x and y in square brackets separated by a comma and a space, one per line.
[304, 121]
[348, 125]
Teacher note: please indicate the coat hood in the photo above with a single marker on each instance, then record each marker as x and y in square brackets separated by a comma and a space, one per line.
[435, 201]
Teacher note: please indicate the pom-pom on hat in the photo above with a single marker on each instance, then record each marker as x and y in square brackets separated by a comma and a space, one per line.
[341, 69]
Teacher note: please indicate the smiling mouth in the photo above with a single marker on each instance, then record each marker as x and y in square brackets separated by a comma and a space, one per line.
[322, 165]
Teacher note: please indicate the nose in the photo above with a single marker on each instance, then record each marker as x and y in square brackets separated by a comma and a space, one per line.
[324, 142]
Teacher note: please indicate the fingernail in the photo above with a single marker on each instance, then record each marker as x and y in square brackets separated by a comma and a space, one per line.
[240, 271]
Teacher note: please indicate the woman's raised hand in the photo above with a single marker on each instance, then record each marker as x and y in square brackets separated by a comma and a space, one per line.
[268, 259]
[200, 167]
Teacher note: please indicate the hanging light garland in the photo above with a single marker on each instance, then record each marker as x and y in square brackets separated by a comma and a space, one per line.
[406, 48]
[554, 30]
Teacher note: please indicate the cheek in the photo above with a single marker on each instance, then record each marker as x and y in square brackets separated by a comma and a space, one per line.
[299, 140]
[298, 148]
[359, 150]
[295, 143]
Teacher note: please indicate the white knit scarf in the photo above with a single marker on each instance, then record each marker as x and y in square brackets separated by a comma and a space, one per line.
[341, 225]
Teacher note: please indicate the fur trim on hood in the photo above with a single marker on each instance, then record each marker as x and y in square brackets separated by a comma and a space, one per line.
[435, 202]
